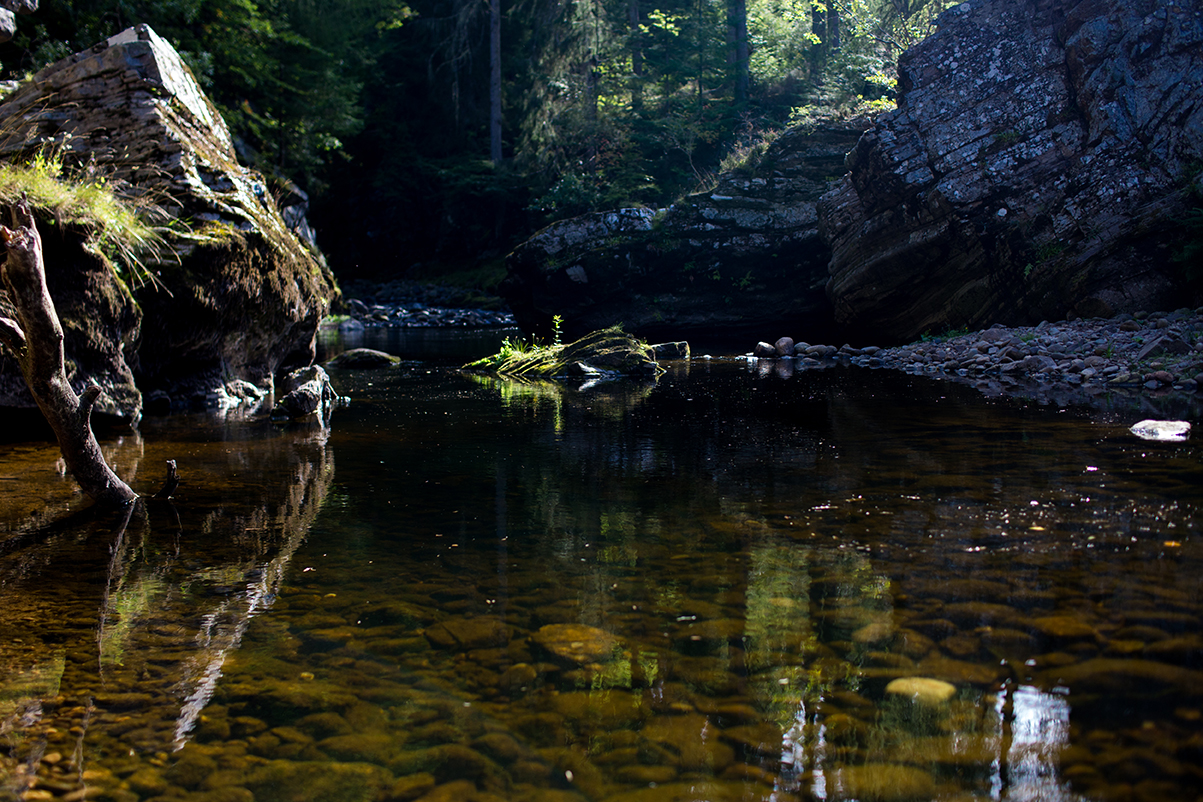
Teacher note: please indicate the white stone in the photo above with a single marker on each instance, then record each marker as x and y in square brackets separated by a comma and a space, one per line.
[923, 690]
[1163, 430]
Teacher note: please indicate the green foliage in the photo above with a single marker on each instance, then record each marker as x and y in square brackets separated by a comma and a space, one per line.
[111, 224]
[380, 108]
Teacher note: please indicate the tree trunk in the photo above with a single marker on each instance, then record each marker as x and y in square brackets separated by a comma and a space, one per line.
[636, 46]
[738, 55]
[495, 81]
[36, 338]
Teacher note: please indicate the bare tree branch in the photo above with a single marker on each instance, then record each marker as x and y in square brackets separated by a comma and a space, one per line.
[40, 355]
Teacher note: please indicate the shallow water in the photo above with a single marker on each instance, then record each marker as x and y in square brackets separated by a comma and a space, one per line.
[694, 590]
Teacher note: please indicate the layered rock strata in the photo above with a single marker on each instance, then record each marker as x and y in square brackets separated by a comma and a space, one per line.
[1038, 166]
[724, 262]
[234, 295]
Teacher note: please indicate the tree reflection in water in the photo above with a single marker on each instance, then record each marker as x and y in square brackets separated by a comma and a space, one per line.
[173, 589]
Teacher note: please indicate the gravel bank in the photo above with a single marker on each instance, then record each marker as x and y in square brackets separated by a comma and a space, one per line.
[410, 304]
[1075, 361]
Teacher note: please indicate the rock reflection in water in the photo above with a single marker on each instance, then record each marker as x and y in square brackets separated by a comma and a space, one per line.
[139, 610]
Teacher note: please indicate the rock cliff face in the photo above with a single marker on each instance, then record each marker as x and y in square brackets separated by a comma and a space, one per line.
[1037, 167]
[236, 296]
[722, 264]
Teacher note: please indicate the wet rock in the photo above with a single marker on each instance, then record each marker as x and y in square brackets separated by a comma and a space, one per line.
[1167, 431]
[450, 762]
[362, 747]
[463, 634]
[191, 769]
[576, 643]
[922, 690]
[412, 787]
[784, 346]
[756, 739]
[687, 791]
[1061, 628]
[1111, 674]
[876, 632]
[285, 781]
[764, 350]
[363, 359]
[695, 741]
[305, 392]
[880, 782]
[604, 711]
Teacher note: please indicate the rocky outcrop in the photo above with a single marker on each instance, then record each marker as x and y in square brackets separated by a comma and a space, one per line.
[1037, 167]
[234, 295]
[720, 263]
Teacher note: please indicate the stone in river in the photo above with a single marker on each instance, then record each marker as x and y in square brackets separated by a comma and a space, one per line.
[1163, 430]
[922, 690]
[880, 782]
[365, 747]
[757, 739]
[601, 711]
[1063, 628]
[463, 634]
[875, 632]
[363, 359]
[412, 787]
[694, 739]
[576, 643]
[687, 791]
[1113, 674]
[283, 780]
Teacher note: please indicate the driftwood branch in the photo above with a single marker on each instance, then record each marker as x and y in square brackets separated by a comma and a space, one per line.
[37, 340]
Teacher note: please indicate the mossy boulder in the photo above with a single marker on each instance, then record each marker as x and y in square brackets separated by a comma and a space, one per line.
[234, 293]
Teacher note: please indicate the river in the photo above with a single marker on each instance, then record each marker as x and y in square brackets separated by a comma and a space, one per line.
[725, 585]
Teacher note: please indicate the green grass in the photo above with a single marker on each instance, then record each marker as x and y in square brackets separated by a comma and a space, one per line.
[518, 358]
[112, 225]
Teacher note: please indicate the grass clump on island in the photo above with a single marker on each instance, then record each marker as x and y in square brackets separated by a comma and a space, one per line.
[609, 350]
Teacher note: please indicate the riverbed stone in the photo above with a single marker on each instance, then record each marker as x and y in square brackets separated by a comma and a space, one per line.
[285, 781]
[880, 782]
[694, 739]
[463, 634]
[360, 747]
[1123, 675]
[922, 690]
[576, 643]
[1059, 628]
[686, 791]
[601, 710]
[363, 359]
[412, 786]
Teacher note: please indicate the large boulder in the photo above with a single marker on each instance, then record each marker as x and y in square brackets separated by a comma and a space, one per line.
[729, 262]
[1037, 167]
[235, 295]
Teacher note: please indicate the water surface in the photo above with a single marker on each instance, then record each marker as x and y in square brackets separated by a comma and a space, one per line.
[694, 590]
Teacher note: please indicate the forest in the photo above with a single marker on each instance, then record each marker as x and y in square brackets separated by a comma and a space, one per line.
[432, 136]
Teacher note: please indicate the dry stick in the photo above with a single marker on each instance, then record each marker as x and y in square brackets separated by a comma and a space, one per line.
[36, 337]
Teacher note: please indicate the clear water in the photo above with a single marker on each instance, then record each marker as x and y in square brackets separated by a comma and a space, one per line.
[694, 590]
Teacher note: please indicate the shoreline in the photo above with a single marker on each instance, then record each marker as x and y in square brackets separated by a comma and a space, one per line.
[1093, 361]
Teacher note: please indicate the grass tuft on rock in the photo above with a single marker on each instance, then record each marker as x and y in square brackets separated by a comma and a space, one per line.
[609, 350]
[112, 224]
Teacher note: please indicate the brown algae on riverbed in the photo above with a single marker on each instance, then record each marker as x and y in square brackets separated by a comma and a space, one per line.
[702, 595]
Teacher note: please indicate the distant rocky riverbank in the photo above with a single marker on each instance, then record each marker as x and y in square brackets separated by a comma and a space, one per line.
[1067, 362]
[412, 304]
